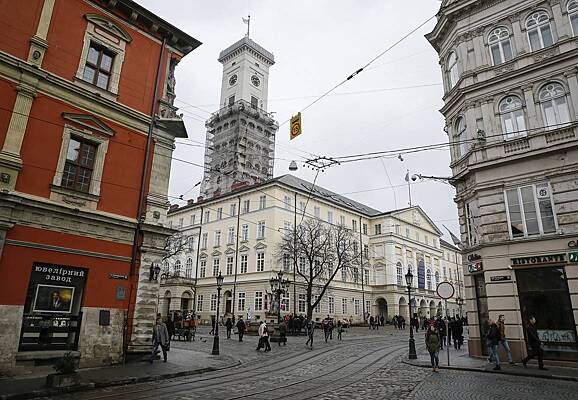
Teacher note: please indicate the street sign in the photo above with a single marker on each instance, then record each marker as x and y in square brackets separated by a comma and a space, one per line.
[445, 290]
[295, 126]
[573, 257]
[499, 278]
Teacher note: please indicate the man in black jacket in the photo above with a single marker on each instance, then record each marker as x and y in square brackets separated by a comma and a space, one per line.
[534, 345]
[241, 327]
[492, 339]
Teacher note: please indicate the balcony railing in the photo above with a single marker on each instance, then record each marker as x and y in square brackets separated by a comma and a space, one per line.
[243, 106]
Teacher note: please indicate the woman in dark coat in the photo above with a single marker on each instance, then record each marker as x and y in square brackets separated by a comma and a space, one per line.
[433, 344]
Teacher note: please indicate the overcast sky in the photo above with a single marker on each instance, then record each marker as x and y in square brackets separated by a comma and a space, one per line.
[316, 45]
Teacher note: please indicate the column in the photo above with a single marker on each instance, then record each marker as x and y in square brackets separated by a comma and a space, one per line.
[573, 85]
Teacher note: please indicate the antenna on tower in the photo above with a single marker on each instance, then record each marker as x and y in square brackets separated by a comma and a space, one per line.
[248, 22]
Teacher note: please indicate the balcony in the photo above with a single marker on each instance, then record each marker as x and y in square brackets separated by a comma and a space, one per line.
[175, 280]
[246, 108]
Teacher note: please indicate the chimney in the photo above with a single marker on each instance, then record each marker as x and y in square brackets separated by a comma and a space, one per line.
[173, 207]
[190, 202]
[199, 199]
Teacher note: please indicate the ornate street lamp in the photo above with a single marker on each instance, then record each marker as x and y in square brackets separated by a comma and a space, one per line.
[409, 281]
[279, 286]
[460, 302]
[215, 351]
[154, 271]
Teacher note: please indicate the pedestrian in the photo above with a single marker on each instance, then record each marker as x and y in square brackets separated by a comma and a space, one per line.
[325, 325]
[339, 329]
[382, 320]
[457, 333]
[306, 326]
[291, 325]
[212, 332]
[432, 342]
[449, 332]
[261, 342]
[160, 338]
[402, 322]
[492, 338]
[170, 328]
[503, 341]
[282, 333]
[441, 326]
[310, 331]
[534, 345]
[371, 321]
[241, 328]
[229, 326]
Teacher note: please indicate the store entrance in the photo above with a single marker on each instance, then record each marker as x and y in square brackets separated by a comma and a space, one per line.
[544, 294]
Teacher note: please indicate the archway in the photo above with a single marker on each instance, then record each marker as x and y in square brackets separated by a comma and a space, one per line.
[382, 308]
[403, 308]
[432, 309]
[228, 300]
[422, 308]
[413, 307]
[186, 298]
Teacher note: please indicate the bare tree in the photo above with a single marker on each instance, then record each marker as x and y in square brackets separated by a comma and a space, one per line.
[174, 246]
[320, 251]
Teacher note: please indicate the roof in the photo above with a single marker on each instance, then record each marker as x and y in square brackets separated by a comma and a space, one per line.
[448, 245]
[250, 44]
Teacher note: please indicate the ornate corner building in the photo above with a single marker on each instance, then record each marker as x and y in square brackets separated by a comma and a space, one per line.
[87, 130]
[511, 109]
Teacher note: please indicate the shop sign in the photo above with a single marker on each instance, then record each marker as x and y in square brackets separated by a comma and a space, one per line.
[117, 276]
[533, 260]
[573, 244]
[475, 267]
[573, 257]
[557, 336]
[499, 278]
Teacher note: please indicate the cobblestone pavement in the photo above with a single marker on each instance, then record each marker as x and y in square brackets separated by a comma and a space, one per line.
[365, 365]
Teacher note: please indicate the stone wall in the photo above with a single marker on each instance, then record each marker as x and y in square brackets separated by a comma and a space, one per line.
[10, 323]
[100, 345]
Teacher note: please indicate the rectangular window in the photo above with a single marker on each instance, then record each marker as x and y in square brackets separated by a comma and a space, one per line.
[193, 219]
[344, 307]
[217, 239]
[287, 202]
[342, 220]
[417, 236]
[219, 213]
[399, 275]
[302, 263]
[317, 212]
[530, 210]
[286, 262]
[258, 301]
[207, 215]
[203, 269]
[285, 302]
[204, 240]
[79, 165]
[213, 302]
[231, 100]
[216, 266]
[354, 225]
[262, 202]
[366, 251]
[287, 228]
[241, 297]
[261, 230]
[302, 206]
[365, 229]
[231, 236]
[355, 271]
[246, 206]
[407, 233]
[397, 229]
[98, 68]
[473, 222]
[243, 264]
[254, 102]
[378, 229]
[330, 217]
[357, 305]
[244, 232]
[260, 262]
[367, 306]
[366, 276]
[181, 221]
[344, 274]
[200, 302]
[230, 261]
[233, 210]
[302, 303]
[317, 308]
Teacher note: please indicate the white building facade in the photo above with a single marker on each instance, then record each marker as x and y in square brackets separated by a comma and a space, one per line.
[238, 235]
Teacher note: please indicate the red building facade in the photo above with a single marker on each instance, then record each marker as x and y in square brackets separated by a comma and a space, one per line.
[87, 129]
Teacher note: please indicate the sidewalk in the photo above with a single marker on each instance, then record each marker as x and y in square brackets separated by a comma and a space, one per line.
[460, 360]
[180, 362]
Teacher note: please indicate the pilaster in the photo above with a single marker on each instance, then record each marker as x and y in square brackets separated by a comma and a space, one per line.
[38, 43]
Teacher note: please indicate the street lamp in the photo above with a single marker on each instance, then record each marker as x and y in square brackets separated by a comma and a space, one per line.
[215, 351]
[409, 281]
[154, 271]
[279, 286]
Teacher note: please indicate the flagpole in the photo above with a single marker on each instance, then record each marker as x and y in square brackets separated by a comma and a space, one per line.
[408, 186]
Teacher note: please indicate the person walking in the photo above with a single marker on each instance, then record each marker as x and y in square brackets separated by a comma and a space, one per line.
[432, 343]
[492, 339]
[457, 331]
[310, 327]
[449, 332]
[325, 325]
[339, 329]
[282, 334]
[212, 332]
[160, 338]
[534, 345]
[441, 326]
[261, 342]
[170, 328]
[266, 338]
[241, 328]
[503, 341]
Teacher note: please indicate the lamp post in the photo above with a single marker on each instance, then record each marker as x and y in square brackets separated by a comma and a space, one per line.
[279, 286]
[409, 281]
[215, 351]
[460, 302]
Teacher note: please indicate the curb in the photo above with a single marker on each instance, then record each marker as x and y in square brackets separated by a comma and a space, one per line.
[502, 372]
[120, 382]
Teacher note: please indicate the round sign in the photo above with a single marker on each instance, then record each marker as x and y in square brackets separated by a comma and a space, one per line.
[445, 290]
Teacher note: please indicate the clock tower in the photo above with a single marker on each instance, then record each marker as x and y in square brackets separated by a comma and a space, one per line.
[240, 142]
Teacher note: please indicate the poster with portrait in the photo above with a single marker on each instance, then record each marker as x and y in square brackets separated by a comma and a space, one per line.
[53, 299]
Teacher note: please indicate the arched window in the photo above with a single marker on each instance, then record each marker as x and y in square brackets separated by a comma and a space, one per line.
[573, 15]
[452, 70]
[437, 277]
[460, 139]
[539, 31]
[500, 46]
[177, 271]
[399, 271]
[552, 98]
[512, 115]
[428, 278]
[189, 267]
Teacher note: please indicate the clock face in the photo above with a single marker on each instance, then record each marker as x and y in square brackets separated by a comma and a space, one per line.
[255, 80]
[232, 80]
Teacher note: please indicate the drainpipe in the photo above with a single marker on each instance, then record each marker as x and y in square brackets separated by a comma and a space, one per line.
[141, 202]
